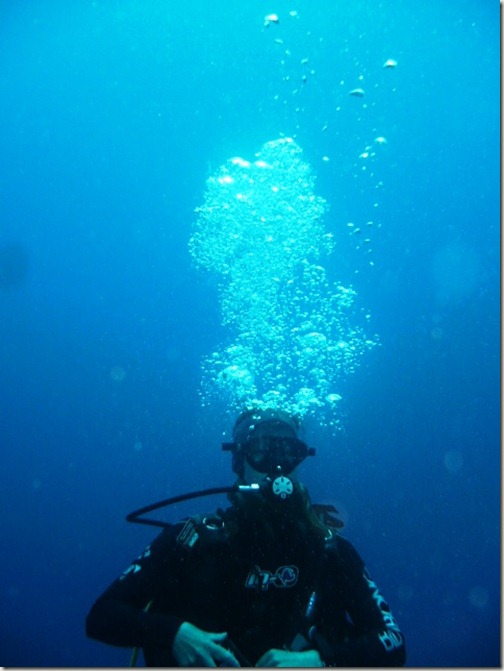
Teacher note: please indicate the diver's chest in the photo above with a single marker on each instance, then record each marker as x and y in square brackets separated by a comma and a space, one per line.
[242, 580]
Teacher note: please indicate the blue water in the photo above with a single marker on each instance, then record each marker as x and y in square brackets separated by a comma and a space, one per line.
[113, 114]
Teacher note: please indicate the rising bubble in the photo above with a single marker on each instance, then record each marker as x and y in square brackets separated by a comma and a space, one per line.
[117, 373]
[453, 461]
[260, 232]
[478, 597]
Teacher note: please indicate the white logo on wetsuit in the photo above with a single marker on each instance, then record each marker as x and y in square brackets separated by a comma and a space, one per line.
[391, 638]
[135, 567]
[283, 577]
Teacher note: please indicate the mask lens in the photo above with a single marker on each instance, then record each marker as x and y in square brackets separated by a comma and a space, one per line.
[266, 453]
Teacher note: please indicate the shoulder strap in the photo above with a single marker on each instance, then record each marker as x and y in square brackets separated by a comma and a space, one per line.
[207, 528]
[134, 656]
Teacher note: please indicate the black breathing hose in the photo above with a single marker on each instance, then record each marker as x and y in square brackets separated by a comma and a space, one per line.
[135, 515]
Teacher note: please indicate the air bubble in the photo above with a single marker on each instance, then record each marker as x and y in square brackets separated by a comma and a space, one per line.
[260, 232]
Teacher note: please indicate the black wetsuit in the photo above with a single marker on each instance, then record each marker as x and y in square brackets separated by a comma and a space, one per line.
[262, 593]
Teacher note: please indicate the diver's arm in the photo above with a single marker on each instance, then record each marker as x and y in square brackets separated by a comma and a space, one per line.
[120, 615]
[376, 639]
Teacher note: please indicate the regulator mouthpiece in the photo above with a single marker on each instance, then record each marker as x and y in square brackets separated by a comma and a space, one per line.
[282, 487]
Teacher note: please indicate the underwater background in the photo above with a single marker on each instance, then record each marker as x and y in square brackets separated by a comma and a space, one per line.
[114, 114]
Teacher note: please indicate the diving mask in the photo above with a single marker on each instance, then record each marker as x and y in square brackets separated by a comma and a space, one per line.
[268, 454]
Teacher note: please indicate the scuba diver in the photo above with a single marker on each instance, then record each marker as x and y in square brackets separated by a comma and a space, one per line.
[267, 582]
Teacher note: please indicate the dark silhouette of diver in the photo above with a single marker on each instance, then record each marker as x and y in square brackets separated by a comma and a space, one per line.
[267, 582]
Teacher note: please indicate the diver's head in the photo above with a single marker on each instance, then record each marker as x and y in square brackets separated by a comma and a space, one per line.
[266, 451]
[266, 444]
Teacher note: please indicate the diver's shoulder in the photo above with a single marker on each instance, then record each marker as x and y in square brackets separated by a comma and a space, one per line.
[198, 530]
[340, 547]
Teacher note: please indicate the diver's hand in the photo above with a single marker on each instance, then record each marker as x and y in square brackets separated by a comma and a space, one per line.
[195, 647]
[308, 658]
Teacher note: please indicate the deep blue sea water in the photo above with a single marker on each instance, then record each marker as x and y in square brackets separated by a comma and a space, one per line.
[113, 114]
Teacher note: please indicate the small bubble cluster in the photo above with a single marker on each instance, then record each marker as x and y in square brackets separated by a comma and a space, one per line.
[260, 231]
